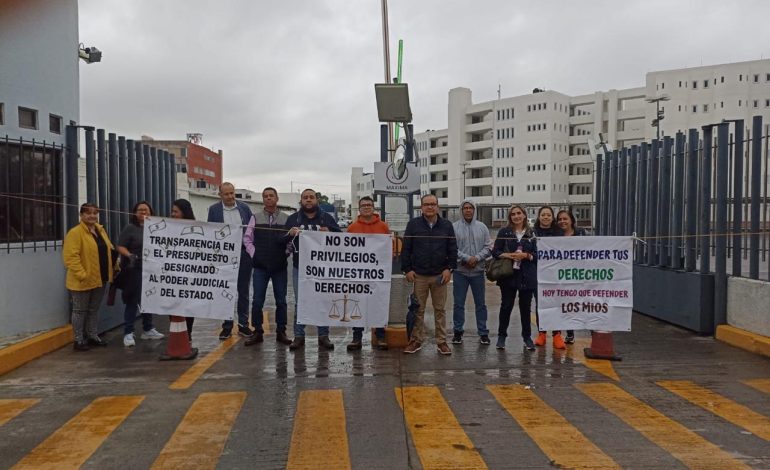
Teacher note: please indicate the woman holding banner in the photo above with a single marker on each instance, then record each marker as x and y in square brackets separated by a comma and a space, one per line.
[516, 242]
[182, 209]
[545, 226]
[130, 246]
[566, 222]
[87, 254]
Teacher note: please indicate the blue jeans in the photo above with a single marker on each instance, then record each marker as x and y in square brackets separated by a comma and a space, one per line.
[461, 283]
[244, 278]
[299, 330]
[358, 333]
[129, 317]
[280, 279]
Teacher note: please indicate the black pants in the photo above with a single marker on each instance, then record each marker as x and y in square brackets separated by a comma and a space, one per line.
[508, 293]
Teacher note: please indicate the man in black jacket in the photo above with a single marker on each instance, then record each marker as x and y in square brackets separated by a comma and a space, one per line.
[308, 217]
[265, 241]
[428, 258]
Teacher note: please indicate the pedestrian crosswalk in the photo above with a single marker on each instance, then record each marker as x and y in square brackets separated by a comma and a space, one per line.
[322, 438]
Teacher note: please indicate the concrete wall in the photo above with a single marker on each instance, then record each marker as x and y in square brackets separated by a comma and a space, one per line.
[747, 305]
[33, 294]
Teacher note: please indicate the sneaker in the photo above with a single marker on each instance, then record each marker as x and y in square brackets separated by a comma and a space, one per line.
[500, 342]
[570, 339]
[558, 342]
[484, 339]
[225, 333]
[81, 346]
[298, 343]
[457, 338]
[323, 342]
[254, 339]
[281, 337]
[355, 345]
[412, 347]
[128, 340]
[444, 349]
[245, 331]
[529, 344]
[152, 334]
[541, 337]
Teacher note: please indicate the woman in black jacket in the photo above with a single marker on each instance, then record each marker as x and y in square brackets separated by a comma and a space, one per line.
[545, 226]
[182, 209]
[516, 242]
[566, 222]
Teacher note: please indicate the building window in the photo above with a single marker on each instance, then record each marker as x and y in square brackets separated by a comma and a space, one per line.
[694, 108]
[694, 85]
[756, 103]
[705, 83]
[54, 123]
[680, 107]
[756, 78]
[721, 104]
[663, 86]
[680, 84]
[740, 102]
[27, 118]
[767, 103]
[32, 174]
[705, 108]
[740, 77]
[722, 79]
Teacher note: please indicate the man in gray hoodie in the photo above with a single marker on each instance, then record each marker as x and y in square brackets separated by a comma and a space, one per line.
[474, 246]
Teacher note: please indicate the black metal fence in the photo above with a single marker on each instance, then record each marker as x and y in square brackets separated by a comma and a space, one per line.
[696, 200]
[40, 190]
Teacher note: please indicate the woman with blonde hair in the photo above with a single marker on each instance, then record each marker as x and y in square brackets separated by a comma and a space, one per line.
[516, 242]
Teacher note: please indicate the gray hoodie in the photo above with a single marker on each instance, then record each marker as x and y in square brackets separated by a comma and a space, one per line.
[472, 240]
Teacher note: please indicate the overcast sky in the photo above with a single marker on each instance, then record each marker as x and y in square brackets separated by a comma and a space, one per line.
[285, 88]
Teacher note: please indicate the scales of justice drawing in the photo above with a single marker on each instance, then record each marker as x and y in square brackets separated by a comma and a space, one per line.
[342, 304]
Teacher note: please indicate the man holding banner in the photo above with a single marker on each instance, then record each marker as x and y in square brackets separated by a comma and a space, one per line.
[309, 217]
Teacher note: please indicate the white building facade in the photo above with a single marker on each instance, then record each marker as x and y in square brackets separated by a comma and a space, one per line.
[534, 149]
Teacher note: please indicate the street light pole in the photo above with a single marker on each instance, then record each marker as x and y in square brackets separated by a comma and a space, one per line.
[658, 113]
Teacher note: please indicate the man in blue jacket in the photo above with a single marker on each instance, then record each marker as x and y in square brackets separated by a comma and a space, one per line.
[236, 214]
[428, 258]
[308, 217]
[474, 246]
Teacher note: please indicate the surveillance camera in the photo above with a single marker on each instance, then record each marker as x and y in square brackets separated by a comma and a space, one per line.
[90, 54]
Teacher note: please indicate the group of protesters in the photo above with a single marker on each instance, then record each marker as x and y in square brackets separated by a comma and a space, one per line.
[435, 251]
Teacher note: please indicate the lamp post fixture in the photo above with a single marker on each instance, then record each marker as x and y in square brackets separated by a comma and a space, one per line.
[658, 113]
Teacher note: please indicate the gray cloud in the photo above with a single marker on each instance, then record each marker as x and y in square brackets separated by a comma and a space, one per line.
[286, 88]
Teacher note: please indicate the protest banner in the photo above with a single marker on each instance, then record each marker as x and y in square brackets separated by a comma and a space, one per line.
[585, 283]
[190, 268]
[344, 279]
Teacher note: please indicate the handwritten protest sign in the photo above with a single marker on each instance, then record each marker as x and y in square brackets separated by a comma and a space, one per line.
[344, 279]
[190, 268]
[585, 283]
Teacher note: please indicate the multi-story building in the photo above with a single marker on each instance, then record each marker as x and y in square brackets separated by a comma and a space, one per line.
[534, 149]
[202, 165]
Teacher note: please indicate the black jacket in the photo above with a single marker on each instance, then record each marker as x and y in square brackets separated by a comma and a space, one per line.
[301, 220]
[428, 251]
[506, 242]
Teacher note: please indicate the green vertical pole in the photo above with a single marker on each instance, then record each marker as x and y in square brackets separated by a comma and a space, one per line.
[398, 76]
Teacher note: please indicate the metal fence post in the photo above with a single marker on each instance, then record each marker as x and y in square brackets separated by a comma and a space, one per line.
[756, 181]
[174, 194]
[612, 194]
[620, 228]
[664, 209]
[101, 157]
[705, 206]
[738, 197]
[153, 193]
[606, 196]
[71, 172]
[678, 200]
[112, 158]
[90, 167]
[161, 208]
[598, 193]
[132, 173]
[123, 186]
[633, 157]
[720, 264]
[691, 206]
[147, 173]
[644, 153]
[652, 204]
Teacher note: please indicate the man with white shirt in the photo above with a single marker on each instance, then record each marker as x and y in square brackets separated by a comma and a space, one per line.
[236, 214]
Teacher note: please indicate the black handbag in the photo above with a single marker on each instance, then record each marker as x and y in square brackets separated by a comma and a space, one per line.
[499, 268]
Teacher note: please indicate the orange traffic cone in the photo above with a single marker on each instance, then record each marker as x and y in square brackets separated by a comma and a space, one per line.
[602, 347]
[178, 347]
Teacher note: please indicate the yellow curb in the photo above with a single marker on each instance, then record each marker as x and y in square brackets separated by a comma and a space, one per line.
[743, 339]
[16, 355]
